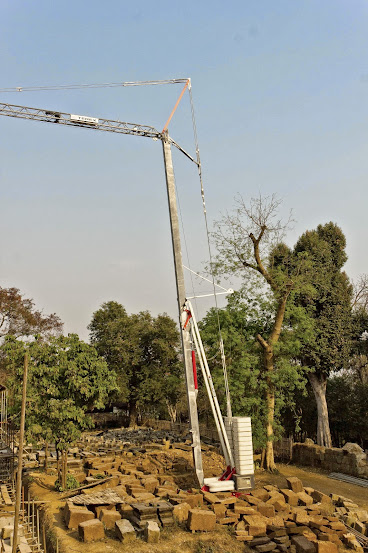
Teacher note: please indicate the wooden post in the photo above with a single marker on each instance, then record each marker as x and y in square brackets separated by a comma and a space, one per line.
[38, 525]
[20, 456]
[44, 535]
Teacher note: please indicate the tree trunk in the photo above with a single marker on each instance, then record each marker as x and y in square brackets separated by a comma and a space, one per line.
[319, 384]
[171, 409]
[268, 360]
[64, 469]
[46, 456]
[133, 414]
[58, 463]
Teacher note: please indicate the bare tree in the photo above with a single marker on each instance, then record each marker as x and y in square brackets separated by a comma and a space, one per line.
[247, 241]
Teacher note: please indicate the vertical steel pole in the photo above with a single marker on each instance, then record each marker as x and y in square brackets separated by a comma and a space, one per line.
[20, 456]
[180, 286]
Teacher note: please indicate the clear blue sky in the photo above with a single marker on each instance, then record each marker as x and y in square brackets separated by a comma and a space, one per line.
[281, 98]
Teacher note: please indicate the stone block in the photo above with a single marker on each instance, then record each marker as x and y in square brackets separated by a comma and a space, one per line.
[326, 547]
[211, 498]
[255, 525]
[152, 532]
[181, 511]
[352, 543]
[150, 484]
[320, 497]
[125, 510]
[262, 540]
[275, 497]
[362, 515]
[194, 500]
[98, 508]
[304, 498]
[108, 518]
[261, 494]
[295, 484]
[228, 519]
[219, 509]
[290, 497]
[266, 547]
[124, 531]
[75, 515]
[91, 530]
[201, 520]
[266, 510]
[360, 527]
[302, 544]
[301, 517]
[242, 508]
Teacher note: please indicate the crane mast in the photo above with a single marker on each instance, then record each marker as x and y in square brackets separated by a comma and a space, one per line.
[108, 125]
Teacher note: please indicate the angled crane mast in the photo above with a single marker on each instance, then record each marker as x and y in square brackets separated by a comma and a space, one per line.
[108, 125]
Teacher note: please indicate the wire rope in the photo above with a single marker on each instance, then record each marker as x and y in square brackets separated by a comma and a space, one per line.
[95, 85]
[223, 359]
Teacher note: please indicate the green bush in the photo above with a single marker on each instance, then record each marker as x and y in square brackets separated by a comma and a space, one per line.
[71, 483]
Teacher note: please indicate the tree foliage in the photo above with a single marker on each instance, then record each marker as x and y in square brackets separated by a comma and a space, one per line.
[19, 317]
[327, 302]
[66, 378]
[143, 352]
[241, 321]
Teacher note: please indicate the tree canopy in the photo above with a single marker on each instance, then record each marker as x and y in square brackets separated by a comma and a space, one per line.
[19, 317]
[143, 352]
[66, 378]
[327, 302]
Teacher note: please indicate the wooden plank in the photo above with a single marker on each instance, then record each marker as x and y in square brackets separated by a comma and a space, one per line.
[5, 494]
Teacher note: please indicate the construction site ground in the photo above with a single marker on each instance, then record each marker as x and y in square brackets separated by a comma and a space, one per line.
[178, 538]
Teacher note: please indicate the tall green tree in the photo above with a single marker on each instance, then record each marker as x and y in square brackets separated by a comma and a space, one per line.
[327, 302]
[66, 378]
[143, 351]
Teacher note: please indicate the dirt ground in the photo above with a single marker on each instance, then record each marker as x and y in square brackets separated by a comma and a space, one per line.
[178, 538]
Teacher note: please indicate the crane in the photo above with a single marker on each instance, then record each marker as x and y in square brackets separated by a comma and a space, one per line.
[188, 326]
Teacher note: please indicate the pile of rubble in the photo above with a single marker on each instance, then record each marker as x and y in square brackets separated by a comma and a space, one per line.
[98, 444]
[139, 503]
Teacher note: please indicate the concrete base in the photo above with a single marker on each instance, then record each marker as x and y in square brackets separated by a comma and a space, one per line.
[244, 481]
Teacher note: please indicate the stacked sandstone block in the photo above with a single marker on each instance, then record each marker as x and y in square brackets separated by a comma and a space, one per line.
[291, 520]
[288, 520]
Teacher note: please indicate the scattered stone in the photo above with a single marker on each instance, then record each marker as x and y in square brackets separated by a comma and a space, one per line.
[304, 498]
[124, 531]
[152, 532]
[194, 500]
[199, 519]
[261, 494]
[302, 544]
[255, 525]
[75, 515]
[181, 511]
[295, 484]
[220, 510]
[266, 510]
[290, 497]
[108, 518]
[91, 530]
[326, 547]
